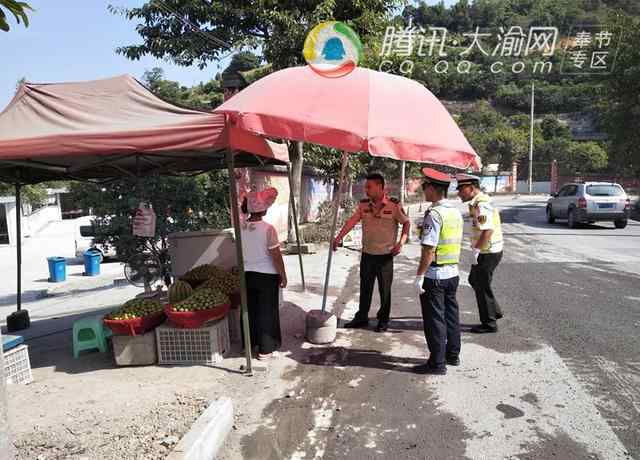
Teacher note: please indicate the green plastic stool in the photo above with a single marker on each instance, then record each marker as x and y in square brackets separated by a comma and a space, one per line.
[88, 334]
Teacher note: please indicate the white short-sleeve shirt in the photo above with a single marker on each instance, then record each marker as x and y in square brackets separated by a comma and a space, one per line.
[257, 239]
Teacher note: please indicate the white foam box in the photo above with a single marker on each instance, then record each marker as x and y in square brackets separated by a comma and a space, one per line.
[135, 350]
[17, 367]
[205, 345]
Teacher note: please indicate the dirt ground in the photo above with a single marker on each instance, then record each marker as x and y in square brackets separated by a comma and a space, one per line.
[91, 409]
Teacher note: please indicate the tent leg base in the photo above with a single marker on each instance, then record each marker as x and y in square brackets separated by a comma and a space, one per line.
[18, 321]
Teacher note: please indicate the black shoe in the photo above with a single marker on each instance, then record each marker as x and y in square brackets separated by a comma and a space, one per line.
[453, 360]
[357, 324]
[382, 326]
[483, 329]
[499, 316]
[428, 369]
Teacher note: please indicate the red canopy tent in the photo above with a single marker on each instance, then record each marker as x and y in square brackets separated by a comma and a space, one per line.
[107, 129]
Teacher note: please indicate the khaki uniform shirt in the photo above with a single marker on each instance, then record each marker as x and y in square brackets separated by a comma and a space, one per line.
[380, 225]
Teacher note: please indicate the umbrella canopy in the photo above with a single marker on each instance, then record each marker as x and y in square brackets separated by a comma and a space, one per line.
[365, 111]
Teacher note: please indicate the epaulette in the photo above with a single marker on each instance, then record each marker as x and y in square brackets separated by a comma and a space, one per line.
[394, 200]
[364, 200]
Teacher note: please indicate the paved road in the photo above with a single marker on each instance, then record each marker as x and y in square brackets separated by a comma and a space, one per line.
[561, 379]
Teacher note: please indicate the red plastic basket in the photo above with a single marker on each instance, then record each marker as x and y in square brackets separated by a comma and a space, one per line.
[135, 326]
[195, 319]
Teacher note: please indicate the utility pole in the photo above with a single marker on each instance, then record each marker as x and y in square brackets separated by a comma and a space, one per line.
[531, 141]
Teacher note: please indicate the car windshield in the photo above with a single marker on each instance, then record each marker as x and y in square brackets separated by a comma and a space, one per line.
[604, 190]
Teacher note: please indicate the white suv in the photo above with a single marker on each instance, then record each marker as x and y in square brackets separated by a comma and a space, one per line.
[589, 202]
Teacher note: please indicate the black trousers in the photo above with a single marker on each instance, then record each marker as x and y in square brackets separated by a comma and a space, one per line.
[441, 319]
[372, 268]
[264, 314]
[480, 279]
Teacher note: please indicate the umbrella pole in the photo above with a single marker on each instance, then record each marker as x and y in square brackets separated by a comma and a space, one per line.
[243, 284]
[292, 200]
[336, 208]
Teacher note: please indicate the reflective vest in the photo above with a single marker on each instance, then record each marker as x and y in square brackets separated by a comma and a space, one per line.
[495, 242]
[450, 238]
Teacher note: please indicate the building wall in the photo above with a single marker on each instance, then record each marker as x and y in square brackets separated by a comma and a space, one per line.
[279, 212]
[314, 192]
[39, 219]
[629, 183]
[496, 184]
[538, 187]
[32, 223]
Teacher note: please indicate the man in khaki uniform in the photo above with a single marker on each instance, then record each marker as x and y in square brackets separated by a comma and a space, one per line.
[380, 216]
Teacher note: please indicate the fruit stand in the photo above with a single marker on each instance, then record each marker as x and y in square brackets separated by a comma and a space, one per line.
[196, 305]
[135, 135]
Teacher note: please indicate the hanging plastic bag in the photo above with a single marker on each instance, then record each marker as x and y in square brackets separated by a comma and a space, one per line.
[144, 221]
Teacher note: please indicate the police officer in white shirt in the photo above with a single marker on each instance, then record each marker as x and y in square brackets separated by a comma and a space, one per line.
[437, 276]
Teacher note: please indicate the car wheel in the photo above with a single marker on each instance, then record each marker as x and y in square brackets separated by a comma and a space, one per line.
[571, 221]
[620, 223]
[550, 217]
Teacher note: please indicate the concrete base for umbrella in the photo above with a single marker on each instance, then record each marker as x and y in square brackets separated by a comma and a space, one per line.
[320, 327]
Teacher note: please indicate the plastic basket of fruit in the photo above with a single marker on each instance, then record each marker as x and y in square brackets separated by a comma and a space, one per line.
[204, 305]
[135, 317]
[220, 279]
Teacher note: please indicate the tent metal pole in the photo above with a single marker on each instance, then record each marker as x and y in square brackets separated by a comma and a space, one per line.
[336, 208]
[292, 201]
[19, 245]
[240, 258]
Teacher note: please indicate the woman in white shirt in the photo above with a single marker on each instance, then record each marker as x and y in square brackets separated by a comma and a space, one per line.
[265, 272]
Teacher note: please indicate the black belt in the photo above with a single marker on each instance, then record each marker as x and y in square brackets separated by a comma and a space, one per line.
[433, 264]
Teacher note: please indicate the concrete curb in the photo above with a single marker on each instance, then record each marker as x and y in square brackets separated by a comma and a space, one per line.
[208, 433]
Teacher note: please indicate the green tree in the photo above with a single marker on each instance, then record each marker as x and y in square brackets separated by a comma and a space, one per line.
[552, 127]
[192, 33]
[494, 137]
[586, 157]
[622, 104]
[17, 9]
[180, 204]
[242, 62]
[205, 96]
